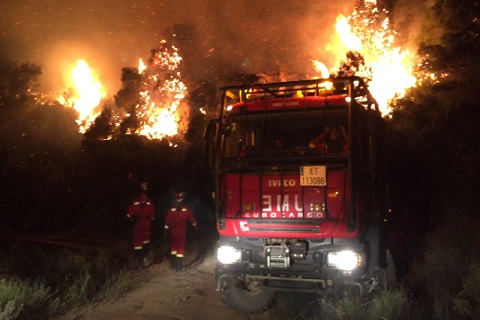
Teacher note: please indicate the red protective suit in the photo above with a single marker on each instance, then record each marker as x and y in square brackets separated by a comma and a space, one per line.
[176, 225]
[141, 211]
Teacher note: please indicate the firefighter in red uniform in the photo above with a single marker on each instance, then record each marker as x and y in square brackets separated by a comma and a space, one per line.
[176, 226]
[142, 213]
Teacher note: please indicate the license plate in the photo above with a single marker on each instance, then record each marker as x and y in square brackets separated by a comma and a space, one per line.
[313, 176]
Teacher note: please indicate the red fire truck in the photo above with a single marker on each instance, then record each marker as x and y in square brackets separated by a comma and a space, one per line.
[300, 190]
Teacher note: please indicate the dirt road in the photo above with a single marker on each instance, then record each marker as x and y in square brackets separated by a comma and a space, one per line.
[163, 294]
[166, 295]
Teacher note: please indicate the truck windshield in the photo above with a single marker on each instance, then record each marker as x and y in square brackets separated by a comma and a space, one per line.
[287, 133]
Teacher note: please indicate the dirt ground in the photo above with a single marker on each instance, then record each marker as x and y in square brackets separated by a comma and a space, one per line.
[163, 294]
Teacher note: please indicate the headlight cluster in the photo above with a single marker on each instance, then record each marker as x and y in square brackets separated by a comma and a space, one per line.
[229, 255]
[345, 260]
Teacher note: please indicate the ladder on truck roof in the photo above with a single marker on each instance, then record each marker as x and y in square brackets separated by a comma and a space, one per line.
[352, 87]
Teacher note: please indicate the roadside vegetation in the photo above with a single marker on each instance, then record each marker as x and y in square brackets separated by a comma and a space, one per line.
[434, 156]
[38, 282]
[443, 282]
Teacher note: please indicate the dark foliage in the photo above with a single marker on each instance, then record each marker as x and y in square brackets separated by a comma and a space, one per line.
[54, 180]
[433, 134]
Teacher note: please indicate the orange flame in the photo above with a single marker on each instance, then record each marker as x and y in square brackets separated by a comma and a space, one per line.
[322, 68]
[347, 37]
[390, 68]
[87, 94]
[141, 66]
[162, 110]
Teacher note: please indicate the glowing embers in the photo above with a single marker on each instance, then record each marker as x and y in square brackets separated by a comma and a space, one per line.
[161, 112]
[159, 93]
[367, 41]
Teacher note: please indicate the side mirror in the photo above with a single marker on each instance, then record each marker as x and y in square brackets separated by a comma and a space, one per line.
[209, 136]
[211, 130]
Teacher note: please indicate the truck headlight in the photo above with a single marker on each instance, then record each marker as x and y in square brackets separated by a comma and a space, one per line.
[345, 260]
[229, 255]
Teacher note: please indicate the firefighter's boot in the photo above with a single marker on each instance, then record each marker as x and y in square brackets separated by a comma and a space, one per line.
[145, 253]
[179, 265]
[138, 259]
[173, 260]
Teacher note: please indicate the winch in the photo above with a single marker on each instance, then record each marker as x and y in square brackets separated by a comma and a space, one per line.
[277, 256]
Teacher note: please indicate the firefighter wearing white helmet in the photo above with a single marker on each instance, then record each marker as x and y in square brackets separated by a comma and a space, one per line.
[176, 228]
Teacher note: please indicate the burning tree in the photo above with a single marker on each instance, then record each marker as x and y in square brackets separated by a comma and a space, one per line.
[150, 101]
[160, 112]
[372, 54]
[353, 65]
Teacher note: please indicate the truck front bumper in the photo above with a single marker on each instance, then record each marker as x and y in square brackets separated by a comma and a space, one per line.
[282, 266]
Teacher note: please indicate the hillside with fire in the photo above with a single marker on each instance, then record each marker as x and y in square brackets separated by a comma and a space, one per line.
[364, 44]
[91, 104]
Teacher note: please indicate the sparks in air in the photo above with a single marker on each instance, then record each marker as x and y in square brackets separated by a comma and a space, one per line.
[387, 69]
[85, 94]
[161, 111]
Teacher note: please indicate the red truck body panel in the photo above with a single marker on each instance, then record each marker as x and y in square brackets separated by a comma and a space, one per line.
[274, 197]
[291, 103]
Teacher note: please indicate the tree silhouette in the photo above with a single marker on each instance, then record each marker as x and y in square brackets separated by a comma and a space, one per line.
[438, 121]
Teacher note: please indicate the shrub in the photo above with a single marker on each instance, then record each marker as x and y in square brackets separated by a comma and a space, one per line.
[391, 305]
[444, 278]
[42, 283]
[467, 302]
[23, 299]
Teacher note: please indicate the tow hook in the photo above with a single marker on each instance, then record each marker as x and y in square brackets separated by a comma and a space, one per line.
[222, 283]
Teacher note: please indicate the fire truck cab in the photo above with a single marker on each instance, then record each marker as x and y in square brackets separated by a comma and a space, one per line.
[300, 190]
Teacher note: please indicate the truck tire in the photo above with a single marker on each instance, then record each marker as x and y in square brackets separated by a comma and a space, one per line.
[386, 276]
[236, 295]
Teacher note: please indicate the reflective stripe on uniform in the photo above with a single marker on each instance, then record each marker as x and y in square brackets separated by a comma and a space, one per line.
[179, 255]
[137, 203]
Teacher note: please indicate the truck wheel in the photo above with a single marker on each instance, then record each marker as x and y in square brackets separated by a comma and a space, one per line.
[246, 299]
[386, 277]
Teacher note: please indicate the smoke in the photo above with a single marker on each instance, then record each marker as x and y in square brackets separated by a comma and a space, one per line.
[250, 36]
[408, 17]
